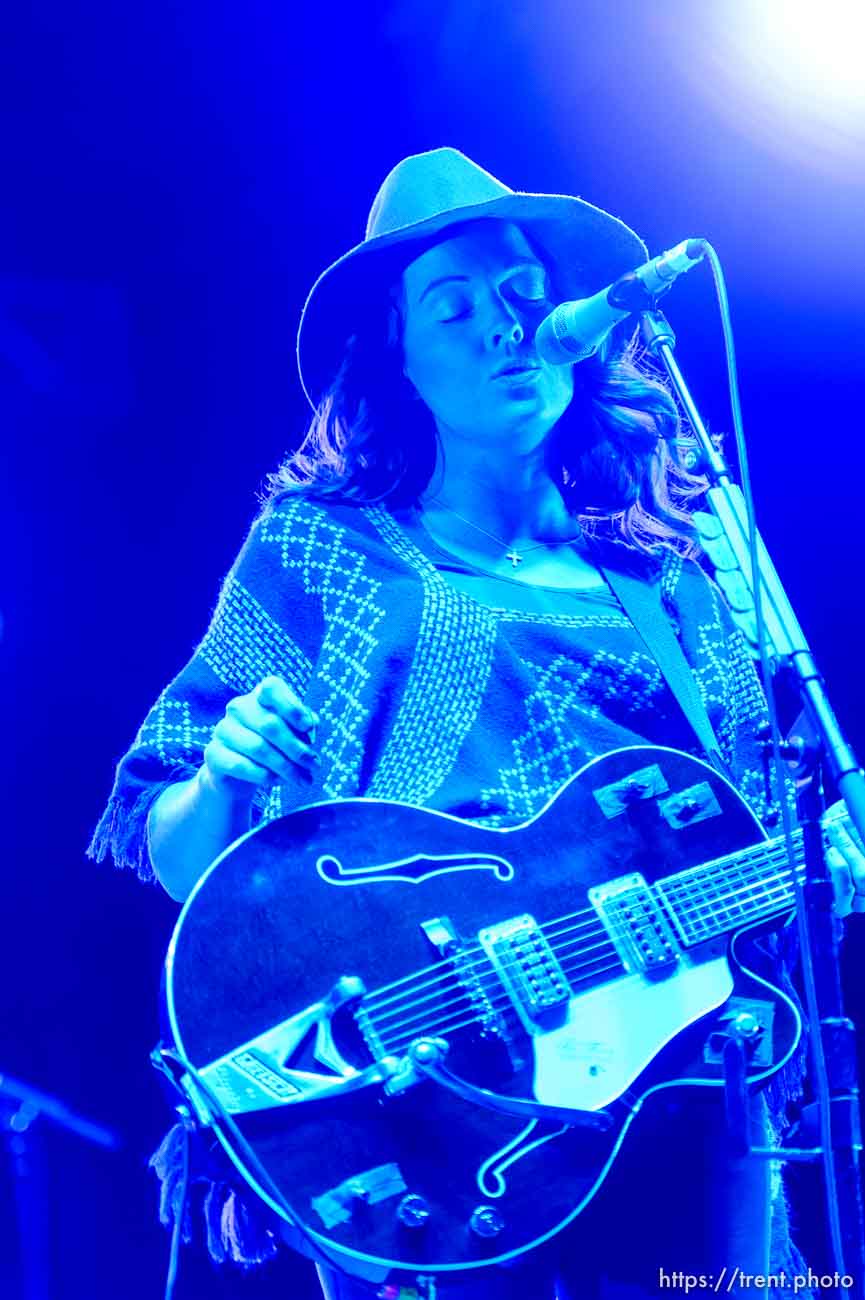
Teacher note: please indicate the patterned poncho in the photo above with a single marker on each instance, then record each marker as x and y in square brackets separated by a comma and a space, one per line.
[434, 685]
[478, 697]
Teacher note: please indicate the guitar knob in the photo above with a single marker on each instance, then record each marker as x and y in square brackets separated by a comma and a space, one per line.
[486, 1222]
[746, 1026]
[413, 1211]
[357, 1192]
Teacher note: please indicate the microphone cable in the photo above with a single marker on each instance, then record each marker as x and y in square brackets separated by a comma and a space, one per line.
[821, 1078]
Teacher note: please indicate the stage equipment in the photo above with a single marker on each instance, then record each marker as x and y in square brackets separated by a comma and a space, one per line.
[21, 1108]
[730, 537]
[575, 330]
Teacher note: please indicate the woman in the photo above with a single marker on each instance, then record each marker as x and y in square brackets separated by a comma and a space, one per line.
[420, 613]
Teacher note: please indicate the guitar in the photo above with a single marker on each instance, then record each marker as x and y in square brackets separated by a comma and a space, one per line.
[432, 1037]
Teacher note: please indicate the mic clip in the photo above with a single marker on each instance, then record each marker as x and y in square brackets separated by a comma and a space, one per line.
[630, 293]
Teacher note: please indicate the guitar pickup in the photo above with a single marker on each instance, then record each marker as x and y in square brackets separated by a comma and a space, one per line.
[529, 970]
[635, 922]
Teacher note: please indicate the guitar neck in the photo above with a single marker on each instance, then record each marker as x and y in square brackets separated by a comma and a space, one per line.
[718, 897]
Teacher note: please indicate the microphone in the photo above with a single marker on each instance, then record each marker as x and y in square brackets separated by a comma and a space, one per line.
[574, 331]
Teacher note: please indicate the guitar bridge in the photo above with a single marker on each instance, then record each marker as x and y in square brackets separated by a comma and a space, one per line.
[636, 923]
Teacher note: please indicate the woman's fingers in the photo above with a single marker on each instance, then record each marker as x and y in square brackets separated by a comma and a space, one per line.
[263, 736]
[846, 863]
[276, 695]
[842, 882]
[226, 766]
[267, 741]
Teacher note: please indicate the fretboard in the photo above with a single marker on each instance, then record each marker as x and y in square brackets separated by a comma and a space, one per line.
[717, 897]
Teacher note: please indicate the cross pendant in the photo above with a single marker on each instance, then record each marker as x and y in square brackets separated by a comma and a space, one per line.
[514, 557]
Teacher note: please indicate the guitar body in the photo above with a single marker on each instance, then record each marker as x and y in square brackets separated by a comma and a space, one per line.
[345, 934]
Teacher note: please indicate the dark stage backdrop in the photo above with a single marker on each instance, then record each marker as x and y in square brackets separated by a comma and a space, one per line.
[174, 178]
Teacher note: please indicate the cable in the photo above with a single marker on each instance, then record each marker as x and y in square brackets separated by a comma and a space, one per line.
[821, 1081]
[179, 1215]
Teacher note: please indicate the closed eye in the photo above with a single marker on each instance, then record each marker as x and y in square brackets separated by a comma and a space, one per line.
[460, 315]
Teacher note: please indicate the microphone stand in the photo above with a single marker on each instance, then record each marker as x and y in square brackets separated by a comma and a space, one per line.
[819, 929]
[21, 1107]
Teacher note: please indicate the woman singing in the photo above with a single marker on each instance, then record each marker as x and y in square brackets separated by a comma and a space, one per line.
[422, 612]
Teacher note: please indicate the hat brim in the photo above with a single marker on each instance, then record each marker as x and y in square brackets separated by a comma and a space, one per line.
[587, 247]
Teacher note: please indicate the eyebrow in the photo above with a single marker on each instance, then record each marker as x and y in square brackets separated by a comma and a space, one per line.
[445, 279]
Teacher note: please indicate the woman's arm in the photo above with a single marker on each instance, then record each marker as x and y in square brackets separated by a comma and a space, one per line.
[265, 625]
[189, 826]
[262, 737]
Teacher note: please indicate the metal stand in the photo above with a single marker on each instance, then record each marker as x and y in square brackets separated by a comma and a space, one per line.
[832, 1033]
[20, 1108]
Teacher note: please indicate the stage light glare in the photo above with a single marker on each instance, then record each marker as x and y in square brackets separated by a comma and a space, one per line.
[815, 51]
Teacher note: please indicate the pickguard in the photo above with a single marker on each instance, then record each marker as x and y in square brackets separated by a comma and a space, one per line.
[412, 870]
[612, 1033]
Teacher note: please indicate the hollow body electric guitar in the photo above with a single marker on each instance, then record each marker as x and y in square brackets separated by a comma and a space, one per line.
[431, 1037]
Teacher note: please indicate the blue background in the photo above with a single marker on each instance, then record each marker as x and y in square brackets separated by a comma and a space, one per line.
[174, 178]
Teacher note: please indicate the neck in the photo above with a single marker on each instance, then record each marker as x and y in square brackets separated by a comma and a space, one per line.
[511, 495]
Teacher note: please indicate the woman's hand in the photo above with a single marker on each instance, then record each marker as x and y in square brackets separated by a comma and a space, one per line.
[845, 862]
[262, 737]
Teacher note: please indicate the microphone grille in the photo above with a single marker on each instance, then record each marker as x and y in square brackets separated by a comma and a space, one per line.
[555, 344]
[560, 326]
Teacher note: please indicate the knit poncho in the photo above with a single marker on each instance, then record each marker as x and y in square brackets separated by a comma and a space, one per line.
[478, 707]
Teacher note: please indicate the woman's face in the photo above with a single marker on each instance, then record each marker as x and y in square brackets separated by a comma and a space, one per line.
[471, 306]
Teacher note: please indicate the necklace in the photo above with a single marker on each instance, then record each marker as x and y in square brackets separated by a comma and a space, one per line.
[515, 556]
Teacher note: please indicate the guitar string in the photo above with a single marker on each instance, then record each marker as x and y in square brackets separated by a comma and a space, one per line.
[695, 881]
[674, 891]
[482, 964]
[687, 896]
[495, 993]
[459, 961]
[467, 962]
[452, 976]
[768, 885]
[755, 855]
[502, 998]
[723, 868]
[672, 884]
[452, 1027]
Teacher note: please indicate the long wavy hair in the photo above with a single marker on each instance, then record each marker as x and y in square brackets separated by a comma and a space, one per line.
[372, 440]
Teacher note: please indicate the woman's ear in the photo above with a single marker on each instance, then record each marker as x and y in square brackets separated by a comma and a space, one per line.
[394, 335]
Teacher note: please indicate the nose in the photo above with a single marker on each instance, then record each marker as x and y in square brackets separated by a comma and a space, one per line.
[505, 324]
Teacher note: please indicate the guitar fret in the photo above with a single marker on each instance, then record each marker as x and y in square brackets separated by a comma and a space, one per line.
[715, 897]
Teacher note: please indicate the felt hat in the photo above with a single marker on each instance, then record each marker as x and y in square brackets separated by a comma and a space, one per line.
[420, 198]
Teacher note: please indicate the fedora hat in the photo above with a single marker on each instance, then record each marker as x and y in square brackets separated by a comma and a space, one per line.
[420, 198]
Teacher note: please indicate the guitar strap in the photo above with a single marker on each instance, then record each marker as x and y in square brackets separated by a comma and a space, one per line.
[641, 601]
